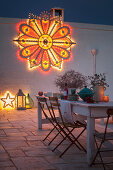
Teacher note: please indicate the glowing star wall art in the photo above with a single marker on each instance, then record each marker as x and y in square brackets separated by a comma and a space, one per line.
[44, 41]
[8, 101]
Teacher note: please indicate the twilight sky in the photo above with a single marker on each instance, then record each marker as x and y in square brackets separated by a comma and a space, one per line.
[84, 11]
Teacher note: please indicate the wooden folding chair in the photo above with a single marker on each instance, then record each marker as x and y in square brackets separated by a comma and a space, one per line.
[48, 115]
[66, 127]
[102, 138]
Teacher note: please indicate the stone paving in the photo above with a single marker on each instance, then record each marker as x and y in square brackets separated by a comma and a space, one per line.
[21, 145]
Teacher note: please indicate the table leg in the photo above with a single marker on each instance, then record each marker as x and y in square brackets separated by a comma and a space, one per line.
[39, 114]
[90, 139]
[102, 121]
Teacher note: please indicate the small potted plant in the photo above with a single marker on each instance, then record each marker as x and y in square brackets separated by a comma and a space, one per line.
[98, 85]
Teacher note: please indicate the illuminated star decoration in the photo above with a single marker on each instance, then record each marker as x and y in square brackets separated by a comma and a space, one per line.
[8, 100]
[44, 41]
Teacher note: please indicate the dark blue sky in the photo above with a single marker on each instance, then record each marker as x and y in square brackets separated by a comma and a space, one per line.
[85, 11]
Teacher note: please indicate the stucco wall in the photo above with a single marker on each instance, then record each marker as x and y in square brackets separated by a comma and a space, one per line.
[14, 73]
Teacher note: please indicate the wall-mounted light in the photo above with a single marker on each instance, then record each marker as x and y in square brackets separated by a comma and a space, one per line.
[94, 52]
[45, 41]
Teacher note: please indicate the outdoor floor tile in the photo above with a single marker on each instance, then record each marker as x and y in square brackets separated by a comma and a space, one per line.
[16, 153]
[35, 143]
[5, 126]
[37, 151]
[54, 159]
[74, 167]
[5, 164]
[29, 138]
[17, 134]
[13, 144]
[21, 146]
[31, 163]
[4, 157]
[12, 130]
[2, 132]
[12, 138]
[8, 168]
[1, 149]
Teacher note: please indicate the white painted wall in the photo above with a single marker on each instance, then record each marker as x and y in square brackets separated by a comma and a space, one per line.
[14, 73]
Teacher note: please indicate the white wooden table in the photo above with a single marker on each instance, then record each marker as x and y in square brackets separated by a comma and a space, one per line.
[92, 112]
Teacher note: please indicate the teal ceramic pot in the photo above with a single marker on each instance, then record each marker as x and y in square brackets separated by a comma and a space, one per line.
[85, 92]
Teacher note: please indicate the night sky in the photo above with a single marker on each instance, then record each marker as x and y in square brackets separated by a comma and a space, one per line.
[82, 11]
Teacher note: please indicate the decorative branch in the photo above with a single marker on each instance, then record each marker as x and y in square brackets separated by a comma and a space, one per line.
[73, 80]
[98, 79]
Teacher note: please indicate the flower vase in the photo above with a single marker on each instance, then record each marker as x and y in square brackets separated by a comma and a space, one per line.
[29, 102]
[98, 93]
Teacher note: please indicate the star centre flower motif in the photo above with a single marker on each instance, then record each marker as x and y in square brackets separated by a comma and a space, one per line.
[45, 42]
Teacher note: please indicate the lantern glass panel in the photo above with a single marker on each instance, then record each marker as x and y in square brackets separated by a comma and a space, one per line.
[24, 101]
[20, 101]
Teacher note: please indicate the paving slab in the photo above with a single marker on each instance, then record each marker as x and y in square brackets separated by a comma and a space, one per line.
[31, 163]
[21, 146]
[16, 153]
[13, 144]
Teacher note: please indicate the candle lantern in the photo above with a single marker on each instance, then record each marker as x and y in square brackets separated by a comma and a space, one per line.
[106, 98]
[20, 100]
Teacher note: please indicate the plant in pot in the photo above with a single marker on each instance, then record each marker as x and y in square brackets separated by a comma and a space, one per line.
[74, 80]
[98, 85]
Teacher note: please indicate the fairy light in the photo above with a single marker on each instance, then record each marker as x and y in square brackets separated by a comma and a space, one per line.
[44, 41]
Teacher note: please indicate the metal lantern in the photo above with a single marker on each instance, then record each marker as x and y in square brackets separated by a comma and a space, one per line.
[20, 100]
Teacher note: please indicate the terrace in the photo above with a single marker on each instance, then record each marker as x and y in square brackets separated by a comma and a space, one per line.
[45, 45]
[21, 145]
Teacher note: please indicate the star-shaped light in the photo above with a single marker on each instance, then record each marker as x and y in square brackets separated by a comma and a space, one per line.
[8, 100]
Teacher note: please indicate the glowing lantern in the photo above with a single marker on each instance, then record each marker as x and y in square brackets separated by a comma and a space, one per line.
[20, 100]
[106, 98]
[29, 102]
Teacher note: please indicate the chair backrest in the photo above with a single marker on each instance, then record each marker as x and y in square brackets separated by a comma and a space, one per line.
[43, 101]
[47, 94]
[56, 95]
[109, 113]
[55, 105]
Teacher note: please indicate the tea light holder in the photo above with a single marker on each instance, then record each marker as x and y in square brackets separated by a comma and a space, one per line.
[106, 98]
